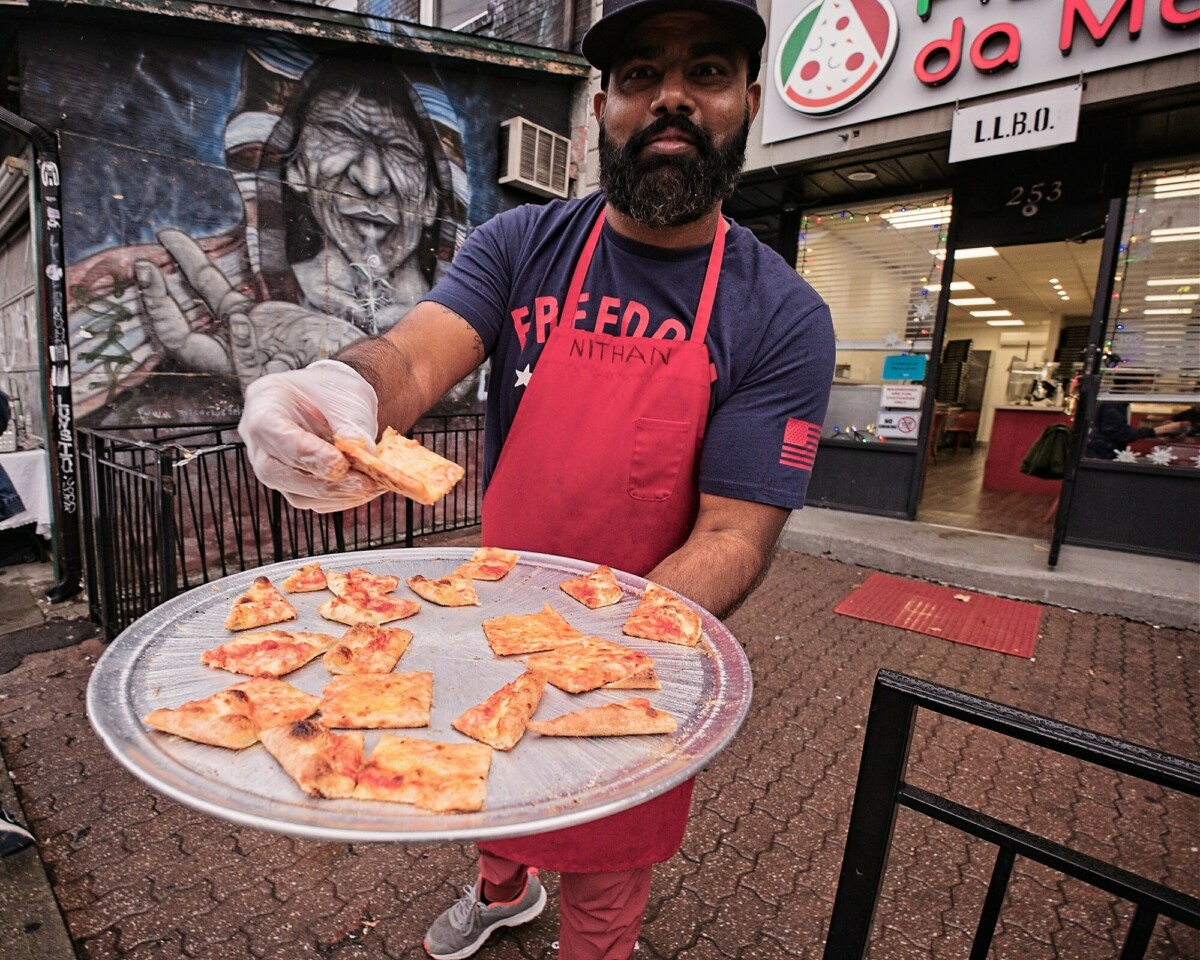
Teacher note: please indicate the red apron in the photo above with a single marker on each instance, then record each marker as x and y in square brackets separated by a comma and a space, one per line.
[601, 464]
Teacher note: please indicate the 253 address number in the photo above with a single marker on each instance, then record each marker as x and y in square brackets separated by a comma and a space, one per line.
[1030, 198]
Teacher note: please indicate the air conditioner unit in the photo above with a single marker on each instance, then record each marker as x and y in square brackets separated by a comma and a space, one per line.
[534, 158]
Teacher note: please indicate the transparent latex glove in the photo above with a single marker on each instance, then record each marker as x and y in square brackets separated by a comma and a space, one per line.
[288, 423]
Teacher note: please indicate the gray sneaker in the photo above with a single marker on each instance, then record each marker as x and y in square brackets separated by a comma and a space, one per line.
[13, 836]
[462, 929]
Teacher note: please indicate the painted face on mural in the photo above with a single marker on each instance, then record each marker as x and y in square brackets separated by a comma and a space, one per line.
[674, 120]
[365, 171]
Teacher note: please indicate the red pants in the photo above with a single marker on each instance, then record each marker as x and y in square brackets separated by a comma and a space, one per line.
[600, 914]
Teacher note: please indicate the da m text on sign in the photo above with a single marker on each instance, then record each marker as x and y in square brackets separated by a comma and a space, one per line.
[1042, 119]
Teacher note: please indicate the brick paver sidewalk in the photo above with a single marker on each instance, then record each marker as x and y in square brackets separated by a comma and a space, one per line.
[142, 877]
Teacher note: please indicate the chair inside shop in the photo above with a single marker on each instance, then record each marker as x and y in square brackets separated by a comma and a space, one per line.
[962, 426]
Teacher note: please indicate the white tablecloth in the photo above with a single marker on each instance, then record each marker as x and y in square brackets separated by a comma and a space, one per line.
[29, 471]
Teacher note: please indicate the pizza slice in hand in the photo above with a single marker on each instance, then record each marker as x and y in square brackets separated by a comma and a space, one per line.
[402, 465]
[442, 777]
[367, 648]
[234, 717]
[662, 615]
[267, 653]
[261, 605]
[323, 763]
[489, 563]
[632, 717]
[371, 701]
[518, 633]
[308, 578]
[501, 719]
[587, 664]
[597, 589]
[453, 590]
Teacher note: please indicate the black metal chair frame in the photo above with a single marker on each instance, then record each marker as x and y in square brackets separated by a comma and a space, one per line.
[881, 791]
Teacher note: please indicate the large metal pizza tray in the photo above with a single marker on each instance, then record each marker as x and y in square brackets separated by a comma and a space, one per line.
[544, 783]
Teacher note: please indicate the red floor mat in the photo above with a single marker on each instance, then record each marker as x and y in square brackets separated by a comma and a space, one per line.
[1006, 626]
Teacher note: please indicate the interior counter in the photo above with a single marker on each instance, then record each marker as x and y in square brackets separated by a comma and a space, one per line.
[1014, 429]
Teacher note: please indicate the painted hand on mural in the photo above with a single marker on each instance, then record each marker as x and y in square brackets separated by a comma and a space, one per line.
[251, 339]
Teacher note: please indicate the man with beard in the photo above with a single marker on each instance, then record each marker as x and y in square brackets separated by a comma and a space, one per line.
[659, 380]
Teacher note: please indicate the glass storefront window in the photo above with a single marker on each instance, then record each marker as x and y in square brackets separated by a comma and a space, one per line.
[879, 268]
[1149, 401]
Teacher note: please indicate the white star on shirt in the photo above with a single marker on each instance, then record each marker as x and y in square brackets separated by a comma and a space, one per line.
[523, 377]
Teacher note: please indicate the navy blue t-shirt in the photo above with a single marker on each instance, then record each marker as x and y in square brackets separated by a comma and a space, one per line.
[770, 336]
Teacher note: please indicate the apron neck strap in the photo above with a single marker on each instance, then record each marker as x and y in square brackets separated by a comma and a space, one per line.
[708, 292]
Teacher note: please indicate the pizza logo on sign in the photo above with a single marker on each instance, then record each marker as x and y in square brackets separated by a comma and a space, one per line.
[834, 53]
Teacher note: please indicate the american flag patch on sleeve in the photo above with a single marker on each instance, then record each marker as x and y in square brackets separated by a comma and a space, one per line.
[799, 444]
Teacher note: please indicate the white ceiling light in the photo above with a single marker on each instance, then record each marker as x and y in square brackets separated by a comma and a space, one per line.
[861, 176]
[974, 253]
[1006, 323]
[1169, 188]
[1172, 281]
[1174, 234]
[1167, 296]
[991, 313]
[923, 217]
[1173, 312]
[971, 301]
[954, 285]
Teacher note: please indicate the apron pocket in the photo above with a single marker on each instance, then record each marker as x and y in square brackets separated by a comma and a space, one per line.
[658, 451]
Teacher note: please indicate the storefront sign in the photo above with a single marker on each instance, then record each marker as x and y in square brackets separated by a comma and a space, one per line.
[897, 425]
[1034, 120]
[901, 396]
[836, 63]
[905, 366]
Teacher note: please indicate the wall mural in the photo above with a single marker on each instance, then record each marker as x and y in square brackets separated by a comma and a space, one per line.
[233, 210]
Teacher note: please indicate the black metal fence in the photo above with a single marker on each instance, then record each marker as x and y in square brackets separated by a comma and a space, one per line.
[165, 509]
[881, 791]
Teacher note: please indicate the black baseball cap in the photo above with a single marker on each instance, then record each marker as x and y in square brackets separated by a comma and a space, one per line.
[607, 33]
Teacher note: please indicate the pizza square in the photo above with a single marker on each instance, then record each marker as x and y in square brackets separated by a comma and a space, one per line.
[267, 653]
[356, 607]
[587, 664]
[633, 717]
[323, 763]
[453, 590]
[402, 465]
[271, 702]
[662, 615]
[489, 563]
[235, 717]
[368, 648]
[259, 606]
[501, 719]
[645, 679]
[360, 581]
[308, 578]
[519, 633]
[597, 589]
[372, 701]
[441, 777]
[220, 720]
